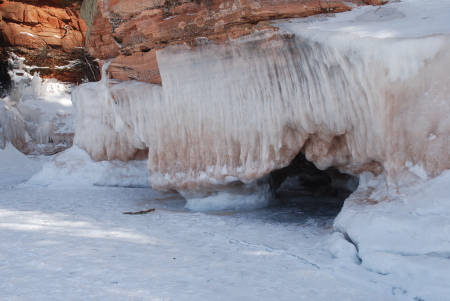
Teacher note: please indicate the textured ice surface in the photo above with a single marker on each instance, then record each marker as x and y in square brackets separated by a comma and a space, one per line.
[100, 127]
[252, 196]
[74, 243]
[48, 112]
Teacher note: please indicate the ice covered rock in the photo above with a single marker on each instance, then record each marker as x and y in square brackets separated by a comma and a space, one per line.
[348, 92]
[99, 125]
[49, 115]
[343, 249]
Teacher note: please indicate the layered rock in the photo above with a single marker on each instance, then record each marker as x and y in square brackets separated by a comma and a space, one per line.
[132, 31]
[32, 26]
[47, 33]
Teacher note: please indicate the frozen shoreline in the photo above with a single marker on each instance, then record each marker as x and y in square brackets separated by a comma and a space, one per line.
[75, 242]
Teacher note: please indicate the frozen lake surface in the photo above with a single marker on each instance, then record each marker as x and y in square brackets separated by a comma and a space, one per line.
[76, 244]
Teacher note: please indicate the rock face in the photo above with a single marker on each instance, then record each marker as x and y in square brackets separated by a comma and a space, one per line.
[46, 33]
[37, 26]
[132, 31]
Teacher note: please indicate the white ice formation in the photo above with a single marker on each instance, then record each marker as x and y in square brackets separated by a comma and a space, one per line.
[38, 116]
[12, 126]
[361, 91]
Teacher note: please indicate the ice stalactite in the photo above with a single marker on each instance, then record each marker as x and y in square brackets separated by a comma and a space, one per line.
[99, 125]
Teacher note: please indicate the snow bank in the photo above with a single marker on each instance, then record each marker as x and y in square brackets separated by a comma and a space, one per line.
[74, 167]
[402, 232]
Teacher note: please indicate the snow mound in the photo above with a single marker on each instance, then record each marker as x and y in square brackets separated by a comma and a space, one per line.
[74, 167]
[343, 249]
[403, 19]
[11, 157]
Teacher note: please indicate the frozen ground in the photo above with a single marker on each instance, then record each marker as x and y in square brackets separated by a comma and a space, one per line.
[69, 243]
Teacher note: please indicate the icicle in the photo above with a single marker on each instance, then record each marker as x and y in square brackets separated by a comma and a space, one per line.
[36, 83]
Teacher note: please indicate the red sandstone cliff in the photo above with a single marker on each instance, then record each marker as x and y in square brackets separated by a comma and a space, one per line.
[46, 33]
[132, 31]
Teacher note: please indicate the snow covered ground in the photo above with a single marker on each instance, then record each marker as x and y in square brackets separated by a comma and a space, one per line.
[65, 237]
[73, 242]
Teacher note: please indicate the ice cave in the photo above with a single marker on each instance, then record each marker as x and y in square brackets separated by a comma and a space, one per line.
[238, 106]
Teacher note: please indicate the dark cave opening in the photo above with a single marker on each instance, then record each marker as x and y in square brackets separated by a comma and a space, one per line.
[5, 79]
[301, 177]
[307, 195]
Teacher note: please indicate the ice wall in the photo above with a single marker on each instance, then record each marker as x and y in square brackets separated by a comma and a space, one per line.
[346, 103]
[230, 113]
